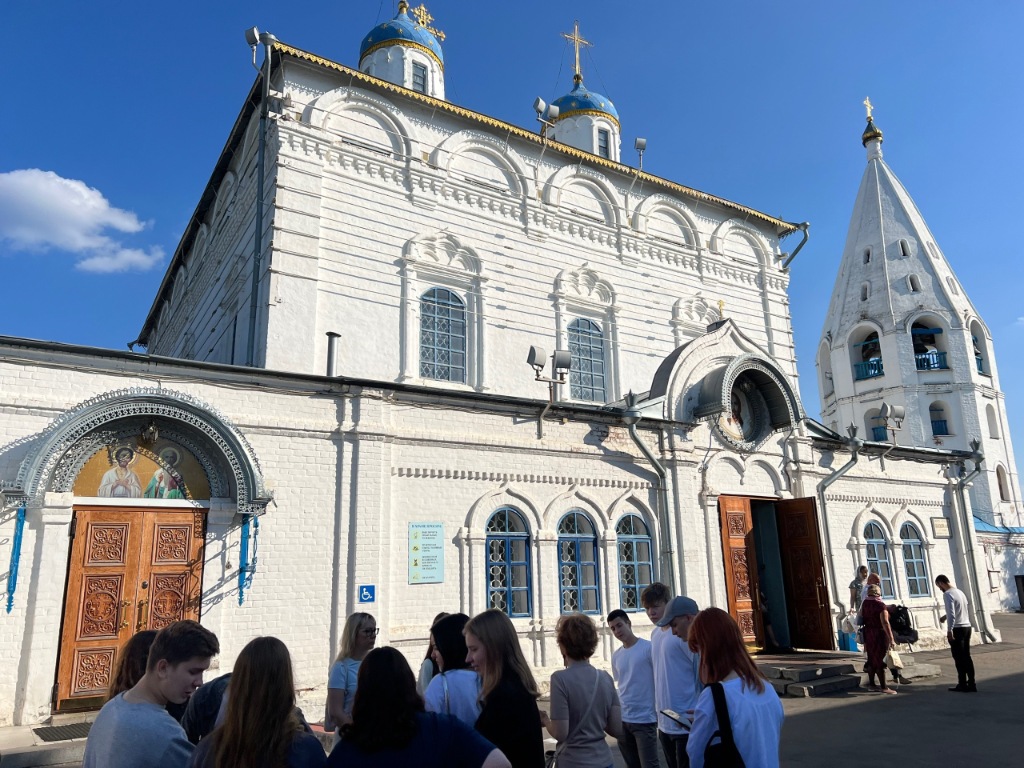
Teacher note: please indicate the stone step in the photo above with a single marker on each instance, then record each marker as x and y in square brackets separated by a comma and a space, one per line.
[57, 753]
[799, 673]
[823, 686]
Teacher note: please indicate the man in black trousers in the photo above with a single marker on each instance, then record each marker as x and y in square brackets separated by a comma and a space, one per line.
[958, 634]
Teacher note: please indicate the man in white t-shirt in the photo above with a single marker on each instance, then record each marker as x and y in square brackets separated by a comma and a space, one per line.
[676, 676]
[634, 675]
[958, 633]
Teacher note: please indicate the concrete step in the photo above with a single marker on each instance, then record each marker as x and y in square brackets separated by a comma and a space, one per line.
[31, 755]
[800, 673]
[823, 686]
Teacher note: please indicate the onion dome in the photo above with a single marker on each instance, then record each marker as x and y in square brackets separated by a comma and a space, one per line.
[405, 31]
[871, 132]
[583, 101]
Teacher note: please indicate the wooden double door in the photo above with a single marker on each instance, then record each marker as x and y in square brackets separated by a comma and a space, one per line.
[803, 571]
[129, 570]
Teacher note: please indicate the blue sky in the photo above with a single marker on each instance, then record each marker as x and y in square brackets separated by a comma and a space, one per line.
[117, 111]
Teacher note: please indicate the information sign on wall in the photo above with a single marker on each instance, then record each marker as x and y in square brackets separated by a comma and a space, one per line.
[940, 528]
[426, 553]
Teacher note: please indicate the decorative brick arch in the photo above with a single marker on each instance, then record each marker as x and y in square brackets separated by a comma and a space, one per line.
[62, 449]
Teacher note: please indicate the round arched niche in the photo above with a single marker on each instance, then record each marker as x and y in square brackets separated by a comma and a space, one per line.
[127, 418]
[746, 401]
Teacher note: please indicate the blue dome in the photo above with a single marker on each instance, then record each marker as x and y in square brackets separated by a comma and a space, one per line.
[402, 30]
[581, 100]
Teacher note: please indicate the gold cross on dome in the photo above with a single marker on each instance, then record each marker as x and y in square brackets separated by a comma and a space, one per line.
[577, 42]
[423, 19]
[869, 106]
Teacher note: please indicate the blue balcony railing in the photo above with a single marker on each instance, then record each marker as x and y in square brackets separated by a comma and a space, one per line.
[931, 361]
[939, 427]
[879, 434]
[869, 369]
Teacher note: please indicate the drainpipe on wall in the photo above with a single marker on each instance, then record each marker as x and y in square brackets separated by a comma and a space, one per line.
[966, 529]
[854, 444]
[667, 535]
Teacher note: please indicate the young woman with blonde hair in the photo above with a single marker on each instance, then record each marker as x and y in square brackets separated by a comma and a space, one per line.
[753, 708]
[509, 717]
[261, 727]
[357, 639]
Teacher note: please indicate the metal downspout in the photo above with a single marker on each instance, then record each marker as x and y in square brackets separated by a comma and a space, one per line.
[855, 445]
[966, 526]
[805, 228]
[667, 535]
[268, 41]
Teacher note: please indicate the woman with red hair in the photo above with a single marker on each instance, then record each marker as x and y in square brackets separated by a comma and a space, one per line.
[754, 710]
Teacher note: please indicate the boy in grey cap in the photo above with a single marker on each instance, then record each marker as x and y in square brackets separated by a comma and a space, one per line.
[676, 676]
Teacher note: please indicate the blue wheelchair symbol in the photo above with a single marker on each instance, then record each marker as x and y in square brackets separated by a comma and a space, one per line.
[367, 593]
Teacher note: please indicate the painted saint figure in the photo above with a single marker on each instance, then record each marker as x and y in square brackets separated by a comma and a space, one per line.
[121, 482]
[166, 482]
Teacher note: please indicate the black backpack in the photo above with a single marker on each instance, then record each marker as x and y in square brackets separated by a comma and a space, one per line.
[724, 754]
[899, 620]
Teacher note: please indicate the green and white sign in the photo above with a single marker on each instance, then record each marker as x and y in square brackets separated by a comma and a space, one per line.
[426, 553]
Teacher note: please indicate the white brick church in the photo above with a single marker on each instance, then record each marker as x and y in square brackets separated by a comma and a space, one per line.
[358, 428]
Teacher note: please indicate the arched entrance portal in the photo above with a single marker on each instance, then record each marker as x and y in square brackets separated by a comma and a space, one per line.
[139, 469]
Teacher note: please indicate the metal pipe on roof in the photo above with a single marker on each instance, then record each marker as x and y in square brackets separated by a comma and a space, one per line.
[805, 228]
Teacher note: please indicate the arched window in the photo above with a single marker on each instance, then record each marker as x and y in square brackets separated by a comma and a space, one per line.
[442, 336]
[1003, 483]
[939, 418]
[876, 429]
[993, 422]
[865, 291]
[904, 249]
[866, 356]
[980, 349]
[913, 561]
[867, 255]
[587, 375]
[878, 557]
[635, 566]
[577, 564]
[508, 563]
[929, 345]
[915, 283]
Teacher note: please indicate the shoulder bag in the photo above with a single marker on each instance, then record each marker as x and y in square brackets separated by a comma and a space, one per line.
[551, 756]
[724, 754]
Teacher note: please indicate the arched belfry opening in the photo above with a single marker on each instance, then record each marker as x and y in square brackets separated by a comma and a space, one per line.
[136, 476]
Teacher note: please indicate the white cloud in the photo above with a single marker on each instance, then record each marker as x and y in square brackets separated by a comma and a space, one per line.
[41, 211]
[1020, 321]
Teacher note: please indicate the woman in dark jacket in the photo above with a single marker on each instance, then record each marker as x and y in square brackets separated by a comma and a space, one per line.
[509, 717]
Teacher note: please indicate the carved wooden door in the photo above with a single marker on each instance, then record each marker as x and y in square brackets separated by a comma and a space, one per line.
[129, 570]
[740, 560]
[803, 572]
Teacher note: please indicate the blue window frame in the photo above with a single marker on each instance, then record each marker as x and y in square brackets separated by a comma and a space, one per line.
[913, 561]
[636, 570]
[586, 348]
[508, 563]
[442, 336]
[878, 557]
[577, 564]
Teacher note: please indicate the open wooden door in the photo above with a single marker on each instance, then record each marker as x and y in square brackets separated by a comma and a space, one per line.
[807, 599]
[740, 565]
[130, 570]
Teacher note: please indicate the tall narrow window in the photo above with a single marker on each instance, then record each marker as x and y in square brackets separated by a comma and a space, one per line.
[993, 422]
[867, 255]
[1003, 483]
[869, 351]
[904, 249]
[865, 291]
[577, 564]
[603, 143]
[913, 561]
[442, 336]
[419, 77]
[635, 567]
[508, 563]
[940, 422]
[878, 557]
[915, 283]
[586, 348]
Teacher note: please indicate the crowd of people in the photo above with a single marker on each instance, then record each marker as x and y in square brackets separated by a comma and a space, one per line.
[686, 694]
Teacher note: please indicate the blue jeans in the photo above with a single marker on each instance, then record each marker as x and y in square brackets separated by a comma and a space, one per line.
[639, 745]
[675, 749]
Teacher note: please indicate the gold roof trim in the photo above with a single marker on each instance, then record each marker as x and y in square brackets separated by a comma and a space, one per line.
[407, 44]
[783, 227]
[596, 112]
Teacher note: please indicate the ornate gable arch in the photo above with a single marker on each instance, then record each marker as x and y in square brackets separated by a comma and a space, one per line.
[584, 286]
[442, 250]
[504, 496]
[62, 448]
[575, 499]
[674, 208]
[736, 228]
[568, 175]
[463, 142]
[321, 110]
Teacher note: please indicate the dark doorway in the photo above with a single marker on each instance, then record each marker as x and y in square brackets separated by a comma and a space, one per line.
[774, 572]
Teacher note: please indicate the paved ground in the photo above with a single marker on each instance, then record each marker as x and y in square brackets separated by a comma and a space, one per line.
[924, 725]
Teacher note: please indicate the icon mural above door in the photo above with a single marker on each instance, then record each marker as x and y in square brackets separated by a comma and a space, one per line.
[130, 470]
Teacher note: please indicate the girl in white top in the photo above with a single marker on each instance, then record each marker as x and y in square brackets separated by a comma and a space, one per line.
[455, 690]
[357, 640]
[755, 712]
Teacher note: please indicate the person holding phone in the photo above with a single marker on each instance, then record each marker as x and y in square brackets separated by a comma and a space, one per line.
[509, 717]
[754, 710]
